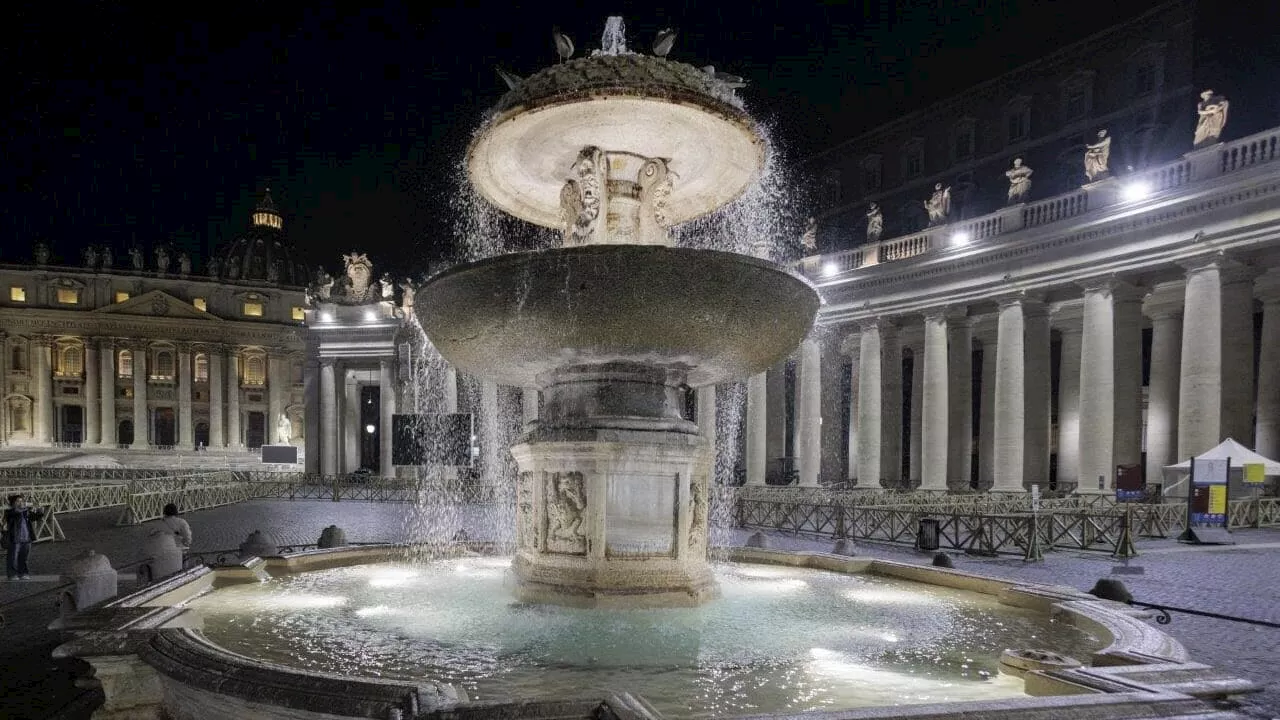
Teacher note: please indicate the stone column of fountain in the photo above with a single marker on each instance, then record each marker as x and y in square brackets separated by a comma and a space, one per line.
[613, 327]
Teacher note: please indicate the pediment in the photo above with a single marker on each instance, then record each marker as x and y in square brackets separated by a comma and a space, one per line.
[157, 304]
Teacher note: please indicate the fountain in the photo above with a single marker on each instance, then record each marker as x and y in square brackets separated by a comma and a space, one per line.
[612, 150]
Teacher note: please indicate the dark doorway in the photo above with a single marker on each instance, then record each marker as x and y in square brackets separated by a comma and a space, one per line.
[370, 428]
[255, 433]
[202, 435]
[166, 428]
[124, 434]
[72, 424]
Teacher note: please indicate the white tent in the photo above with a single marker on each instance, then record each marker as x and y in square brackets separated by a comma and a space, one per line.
[1239, 455]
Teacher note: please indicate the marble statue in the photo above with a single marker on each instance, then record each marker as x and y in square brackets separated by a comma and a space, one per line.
[233, 268]
[938, 205]
[1212, 110]
[41, 252]
[214, 267]
[184, 264]
[324, 284]
[564, 46]
[663, 42]
[1019, 181]
[273, 272]
[875, 223]
[809, 240]
[90, 257]
[106, 257]
[388, 286]
[162, 259]
[1096, 157]
[284, 430]
[582, 196]
[135, 258]
[406, 295]
[357, 288]
[565, 506]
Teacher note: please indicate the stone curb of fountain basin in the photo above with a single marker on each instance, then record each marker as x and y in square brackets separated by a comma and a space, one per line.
[151, 660]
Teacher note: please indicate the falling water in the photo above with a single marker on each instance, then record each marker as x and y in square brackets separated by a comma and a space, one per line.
[731, 407]
[614, 40]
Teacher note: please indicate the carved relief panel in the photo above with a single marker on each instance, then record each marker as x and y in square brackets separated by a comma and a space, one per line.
[565, 514]
[699, 509]
[526, 530]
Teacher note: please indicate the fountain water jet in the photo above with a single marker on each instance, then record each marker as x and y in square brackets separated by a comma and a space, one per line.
[612, 150]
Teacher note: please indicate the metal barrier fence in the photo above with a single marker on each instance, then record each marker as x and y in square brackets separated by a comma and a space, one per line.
[143, 506]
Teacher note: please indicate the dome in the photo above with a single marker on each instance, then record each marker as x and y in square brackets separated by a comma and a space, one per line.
[262, 252]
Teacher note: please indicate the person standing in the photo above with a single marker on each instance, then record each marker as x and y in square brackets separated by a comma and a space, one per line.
[20, 531]
[178, 526]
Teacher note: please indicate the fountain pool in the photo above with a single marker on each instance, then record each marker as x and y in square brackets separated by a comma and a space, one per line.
[779, 640]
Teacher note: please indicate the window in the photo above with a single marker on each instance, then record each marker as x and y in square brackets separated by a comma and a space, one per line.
[199, 304]
[1077, 96]
[17, 293]
[297, 313]
[252, 308]
[913, 159]
[962, 140]
[202, 368]
[72, 360]
[872, 177]
[67, 296]
[124, 363]
[1144, 79]
[1019, 124]
[121, 296]
[255, 370]
[164, 364]
[19, 358]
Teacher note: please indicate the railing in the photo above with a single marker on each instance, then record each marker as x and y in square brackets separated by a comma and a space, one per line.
[1197, 166]
[143, 506]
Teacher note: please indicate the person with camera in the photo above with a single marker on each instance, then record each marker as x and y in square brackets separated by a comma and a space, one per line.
[19, 532]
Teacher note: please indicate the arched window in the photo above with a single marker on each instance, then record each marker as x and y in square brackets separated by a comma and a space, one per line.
[164, 364]
[19, 357]
[124, 366]
[202, 367]
[255, 370]
[72, 361]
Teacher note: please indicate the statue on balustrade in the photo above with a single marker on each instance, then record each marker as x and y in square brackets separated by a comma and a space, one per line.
[1097, 156]
[809, 240]
[356, 288]
[938, 205]
[107, 260]
[388, 286]
[406, 295]
[1019, 181]
[41, 252]
[233, 268]
[90, 257]
[135, 258]
[875, 223]
[273, 272]
[162, 260]
[1212, 110]
[184, 264]
[214, 266]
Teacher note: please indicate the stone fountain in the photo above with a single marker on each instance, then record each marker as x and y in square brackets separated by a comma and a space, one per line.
[612, 150]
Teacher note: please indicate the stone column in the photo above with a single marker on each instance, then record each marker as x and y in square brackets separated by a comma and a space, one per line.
[217, 438]
[850, 348]
[809, 412]
[107, 392]
[891, 407]
[1069, 407]
[869, 387]
[934, 404]
[41, 370]
[350, 428]
[775, 408]
[757, 430]
[1128, 378]
[959, 399]
[706, 408]
[1010, 401]
[141, 412]
[328, 418]
[234, 441]
[277, 371]
[915, 423]
[529, 399]
[1039, 396]
[1097, 387]
[1267, 438]
[987, 418]
[490, 435]
[1238, 388]
[387, 408]
[92, 395]
[1162, 394]
[186, 427]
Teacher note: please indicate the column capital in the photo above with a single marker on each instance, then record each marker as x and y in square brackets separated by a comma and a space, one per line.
[1267, 286]
[1229, 268]
[328, 362]
[851, 345]
[184, 346]
[1111, 285]
[958, 315]
[936, 315]
[42, 340]
[1019, 297]
[879, 324]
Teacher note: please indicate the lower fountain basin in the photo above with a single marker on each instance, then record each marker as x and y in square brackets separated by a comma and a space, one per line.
[716, 316]
[780, 640]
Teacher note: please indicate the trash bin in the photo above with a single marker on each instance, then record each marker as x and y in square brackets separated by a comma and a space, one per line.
[927, 534]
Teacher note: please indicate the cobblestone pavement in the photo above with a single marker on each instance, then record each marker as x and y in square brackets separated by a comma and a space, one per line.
[1237, 580]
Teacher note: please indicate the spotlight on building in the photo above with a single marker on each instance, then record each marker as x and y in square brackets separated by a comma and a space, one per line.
[326, 317]
[370, 316]
[961, 238]
[1136, 191]
[369, 429]
[830, 269]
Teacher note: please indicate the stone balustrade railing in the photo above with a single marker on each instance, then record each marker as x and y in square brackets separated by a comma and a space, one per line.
[1197, 166]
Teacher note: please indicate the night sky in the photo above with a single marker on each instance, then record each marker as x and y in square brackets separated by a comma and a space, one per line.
[145, 125]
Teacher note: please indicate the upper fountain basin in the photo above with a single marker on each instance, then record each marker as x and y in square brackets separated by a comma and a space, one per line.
[648, 106]
[717, 316]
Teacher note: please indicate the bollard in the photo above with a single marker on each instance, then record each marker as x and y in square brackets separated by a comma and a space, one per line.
[758, 540]
[943, 560]
[164, 556]
[258, 545]
[332, 537]
[844, 546]
[94, 581]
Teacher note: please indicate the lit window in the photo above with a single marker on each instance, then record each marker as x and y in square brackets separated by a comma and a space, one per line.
[68, 296]
[121, 296]
[255, 370]
[164, 364]
[18, 294]
[253, 309]
[199, 304]
[297, 313]
[125, 364]
[202, 368]
[72, 361]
